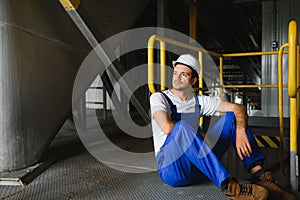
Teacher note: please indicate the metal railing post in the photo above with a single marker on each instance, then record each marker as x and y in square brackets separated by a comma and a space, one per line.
[200, 58]
[151, 64]
[280, 107]
[292, 91]
[162, 65]
[293, 86]
[221, 78]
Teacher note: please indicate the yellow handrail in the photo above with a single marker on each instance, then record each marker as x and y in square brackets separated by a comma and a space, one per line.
[163, 41]
[200, 54]
[251, 54]
[221, 76]
[292, 69]
[163, 65]
[254, 86]
[293, 77]
[151, 63]
[292, 92]
[280, 86]
[280, 107]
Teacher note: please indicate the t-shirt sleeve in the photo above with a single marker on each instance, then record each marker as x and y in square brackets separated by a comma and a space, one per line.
[209, 105]
[157, 102]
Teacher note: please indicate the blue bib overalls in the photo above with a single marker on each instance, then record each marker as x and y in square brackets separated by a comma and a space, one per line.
[185, 157]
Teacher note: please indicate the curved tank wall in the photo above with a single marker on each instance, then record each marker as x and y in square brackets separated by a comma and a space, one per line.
[39, 57]
[41, 50]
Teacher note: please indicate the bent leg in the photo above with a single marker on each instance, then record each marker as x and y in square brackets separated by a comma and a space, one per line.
[181, 172]
[224, 132]
[185, 157]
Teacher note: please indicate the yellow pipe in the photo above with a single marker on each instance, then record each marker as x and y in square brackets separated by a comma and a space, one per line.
[293, 125]
[280, 107]
[221, 78]
[254, 86]
[292, 92]
[184, 45]
[151, 64]
[193, 35]
[200, 57]
[164, 40]
[292, 85]
[162, 65]
[200, 72]
[252, 54]
[193, 21]
[298, 80]
[191, 47]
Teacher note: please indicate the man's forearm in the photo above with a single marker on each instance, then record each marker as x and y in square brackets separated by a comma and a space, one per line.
[240, 113]
[241, 116]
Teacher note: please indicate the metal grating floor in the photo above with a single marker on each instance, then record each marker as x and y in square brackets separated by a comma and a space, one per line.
[82, 177]
[78, 175]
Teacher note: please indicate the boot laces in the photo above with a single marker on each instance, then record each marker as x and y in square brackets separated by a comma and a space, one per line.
[272, 182]
[245, 189]
[276, 186]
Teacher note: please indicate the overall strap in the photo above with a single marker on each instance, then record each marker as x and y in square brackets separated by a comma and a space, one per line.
[197, 105]
[172, 106]
[168, 99]
[174, 114]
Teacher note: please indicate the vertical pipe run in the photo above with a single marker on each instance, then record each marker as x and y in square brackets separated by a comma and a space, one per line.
[280, 107]
[292, 91]
[292, 66]
[221, 78]
[293, 146]
[193, 21]
[274, 26]
[150, 64]
[298, 81]
[162, 65]
[200, 57]
[161, 5]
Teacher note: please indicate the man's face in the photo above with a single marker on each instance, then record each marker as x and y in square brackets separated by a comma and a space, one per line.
[182, 78]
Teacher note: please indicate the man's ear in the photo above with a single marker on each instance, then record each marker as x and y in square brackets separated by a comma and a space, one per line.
[194, 80]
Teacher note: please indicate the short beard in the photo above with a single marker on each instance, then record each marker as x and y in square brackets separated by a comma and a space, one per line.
[186, 88]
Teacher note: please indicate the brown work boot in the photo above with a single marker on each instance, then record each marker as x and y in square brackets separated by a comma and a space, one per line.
[275, 190]
[237, 191]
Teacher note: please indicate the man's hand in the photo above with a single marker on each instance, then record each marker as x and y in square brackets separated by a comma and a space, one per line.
[243, 146]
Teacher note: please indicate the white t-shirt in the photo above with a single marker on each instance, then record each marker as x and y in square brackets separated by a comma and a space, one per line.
[159, 102]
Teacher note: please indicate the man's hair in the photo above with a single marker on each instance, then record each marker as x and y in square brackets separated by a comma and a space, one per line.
[194, 73]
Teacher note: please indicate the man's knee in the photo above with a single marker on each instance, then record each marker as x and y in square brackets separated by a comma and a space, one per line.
[173, 180]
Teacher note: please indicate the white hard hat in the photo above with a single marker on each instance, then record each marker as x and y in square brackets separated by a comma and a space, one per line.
[189, 61]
